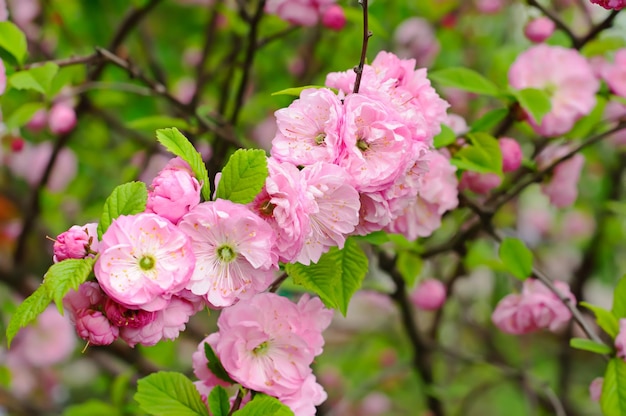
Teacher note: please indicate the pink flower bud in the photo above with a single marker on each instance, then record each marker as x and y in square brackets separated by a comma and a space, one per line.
[17, 144]
[38, 121]
[539, 29]
[480, 183]
[94, 327]
[75, 243]
[429, 295]
[611, 4]
[595, 388]
[511, 154]
[62, 119]
[334, 18]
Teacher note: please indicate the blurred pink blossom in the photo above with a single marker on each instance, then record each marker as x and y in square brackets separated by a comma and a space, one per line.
[30, 164]
[415, 38]
[511, 154]
[562, 187]
[539, 29]
[38, 121]
[595, 389]
[620, 340]
[61, 118]
[489, 6]
[480, 183]
[615, 73]
[4, 12]
[334, 17]
[298, 12]
[429, 295]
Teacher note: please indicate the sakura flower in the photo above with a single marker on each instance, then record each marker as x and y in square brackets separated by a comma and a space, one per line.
[335, 212]
[76, 243]
[93, 326]
[429, 295]
[611, 4]
[615, 73]
[61, 118]
[174, 191]
[303, 401]
[566, 76]
[234, 251]
[620, 340]
[415, 38]
[285, 204]
[298, 12]
[308, 130]
[143, 261]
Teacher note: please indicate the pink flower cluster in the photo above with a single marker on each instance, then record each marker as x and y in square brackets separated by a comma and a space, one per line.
[378, 141]
[308, 12]
[267, 344]
[537, 307]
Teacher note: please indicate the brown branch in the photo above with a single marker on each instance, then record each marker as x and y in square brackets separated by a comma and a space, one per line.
[366, 36]
[74, 60]
[557, 21]
[596, 30]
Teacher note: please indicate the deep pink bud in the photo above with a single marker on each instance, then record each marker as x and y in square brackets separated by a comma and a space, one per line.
[75, 243]
[62, 118]
[429, 295]
[334, 18]
[93, 326]
[539, 29]
[511, 154]
[38, 121]
[17, 144]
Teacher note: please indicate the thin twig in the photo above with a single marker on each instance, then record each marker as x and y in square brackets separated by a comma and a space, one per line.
[366, 36]
[74, 60]
[557, 21]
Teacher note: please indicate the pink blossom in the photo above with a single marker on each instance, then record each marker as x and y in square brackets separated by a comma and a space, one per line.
[49, 341]
[208, 380]
[535, 308]
[489, 6]
[143, 261]
[38, 121]
[335, 212]
[76, 243]
[415, 38]
[93, 326]
[4, 13]
[30, 163]
[480, 183]
[285, 204]
[429, 295]
[88, 295]
[334, 17]
[615, 73]
[595, 389]
[613, 112]
[167, 323]
[3, 77]
[123, 317]
[376, 404]
[511, 154]
[566, 76]
[61, 119]
[611, 4]
[303, 401]
[374, 214]
[457, 123]
[234, 251]
[298, 12]
[311, 320]
[174, 191]
[620, 340]
[539, 29]
[308, 130]
[562, 187]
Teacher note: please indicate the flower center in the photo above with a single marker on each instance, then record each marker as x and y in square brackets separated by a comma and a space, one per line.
[267, 208]
[226, 253]
[362, 145]
[147, 263]
[261, 348]
[319, 139]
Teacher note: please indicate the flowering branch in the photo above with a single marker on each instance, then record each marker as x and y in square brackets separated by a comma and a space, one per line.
[366, 35]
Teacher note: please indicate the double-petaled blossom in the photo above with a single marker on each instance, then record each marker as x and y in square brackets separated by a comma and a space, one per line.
[537, 307]
[234, 250]
[611, 4]
[144, 260]
[86, 311]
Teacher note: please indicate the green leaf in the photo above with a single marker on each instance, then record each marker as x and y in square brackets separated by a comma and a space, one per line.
[517, 258]
[175, 142]
[38, 78]
[536, 102]
[22, 115]
[589, 345]
[13, 40]
[482, 155]
[464, 79]
[377, 238]
[297, 90]
[65, 275]
[127, 199]
[28, 311]
[335, 277]
[152, 123]
[613, 397]
[120, 388]
[446, 137]
[603, 45]
[263, 405]
[409, 265]
[605, 319]
[489, 120]
[219, 403]
[92, 408]
[243, 176]
[585, 126]
[169, 394]
[215, 365]
[619, 299]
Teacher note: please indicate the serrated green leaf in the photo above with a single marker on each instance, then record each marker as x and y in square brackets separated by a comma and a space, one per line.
[517, 258]
[536, 102]
[482, 155]
[243, 176]
[619, 299]
[92, 408]
[409, 265]
[613, 397]
[589, 345]
[489, 120]
[605, 319]
[13, 40]
[215, 365]
[219, 403]
[464, 79]
[263, 405]
[152, 123]
[175, 142]
[335, 277]
[65, 275]
[22, 115]
[296, 91]
[38, 79]
[28, 311]
[444, 138]
[127, 199]
[169, 394]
